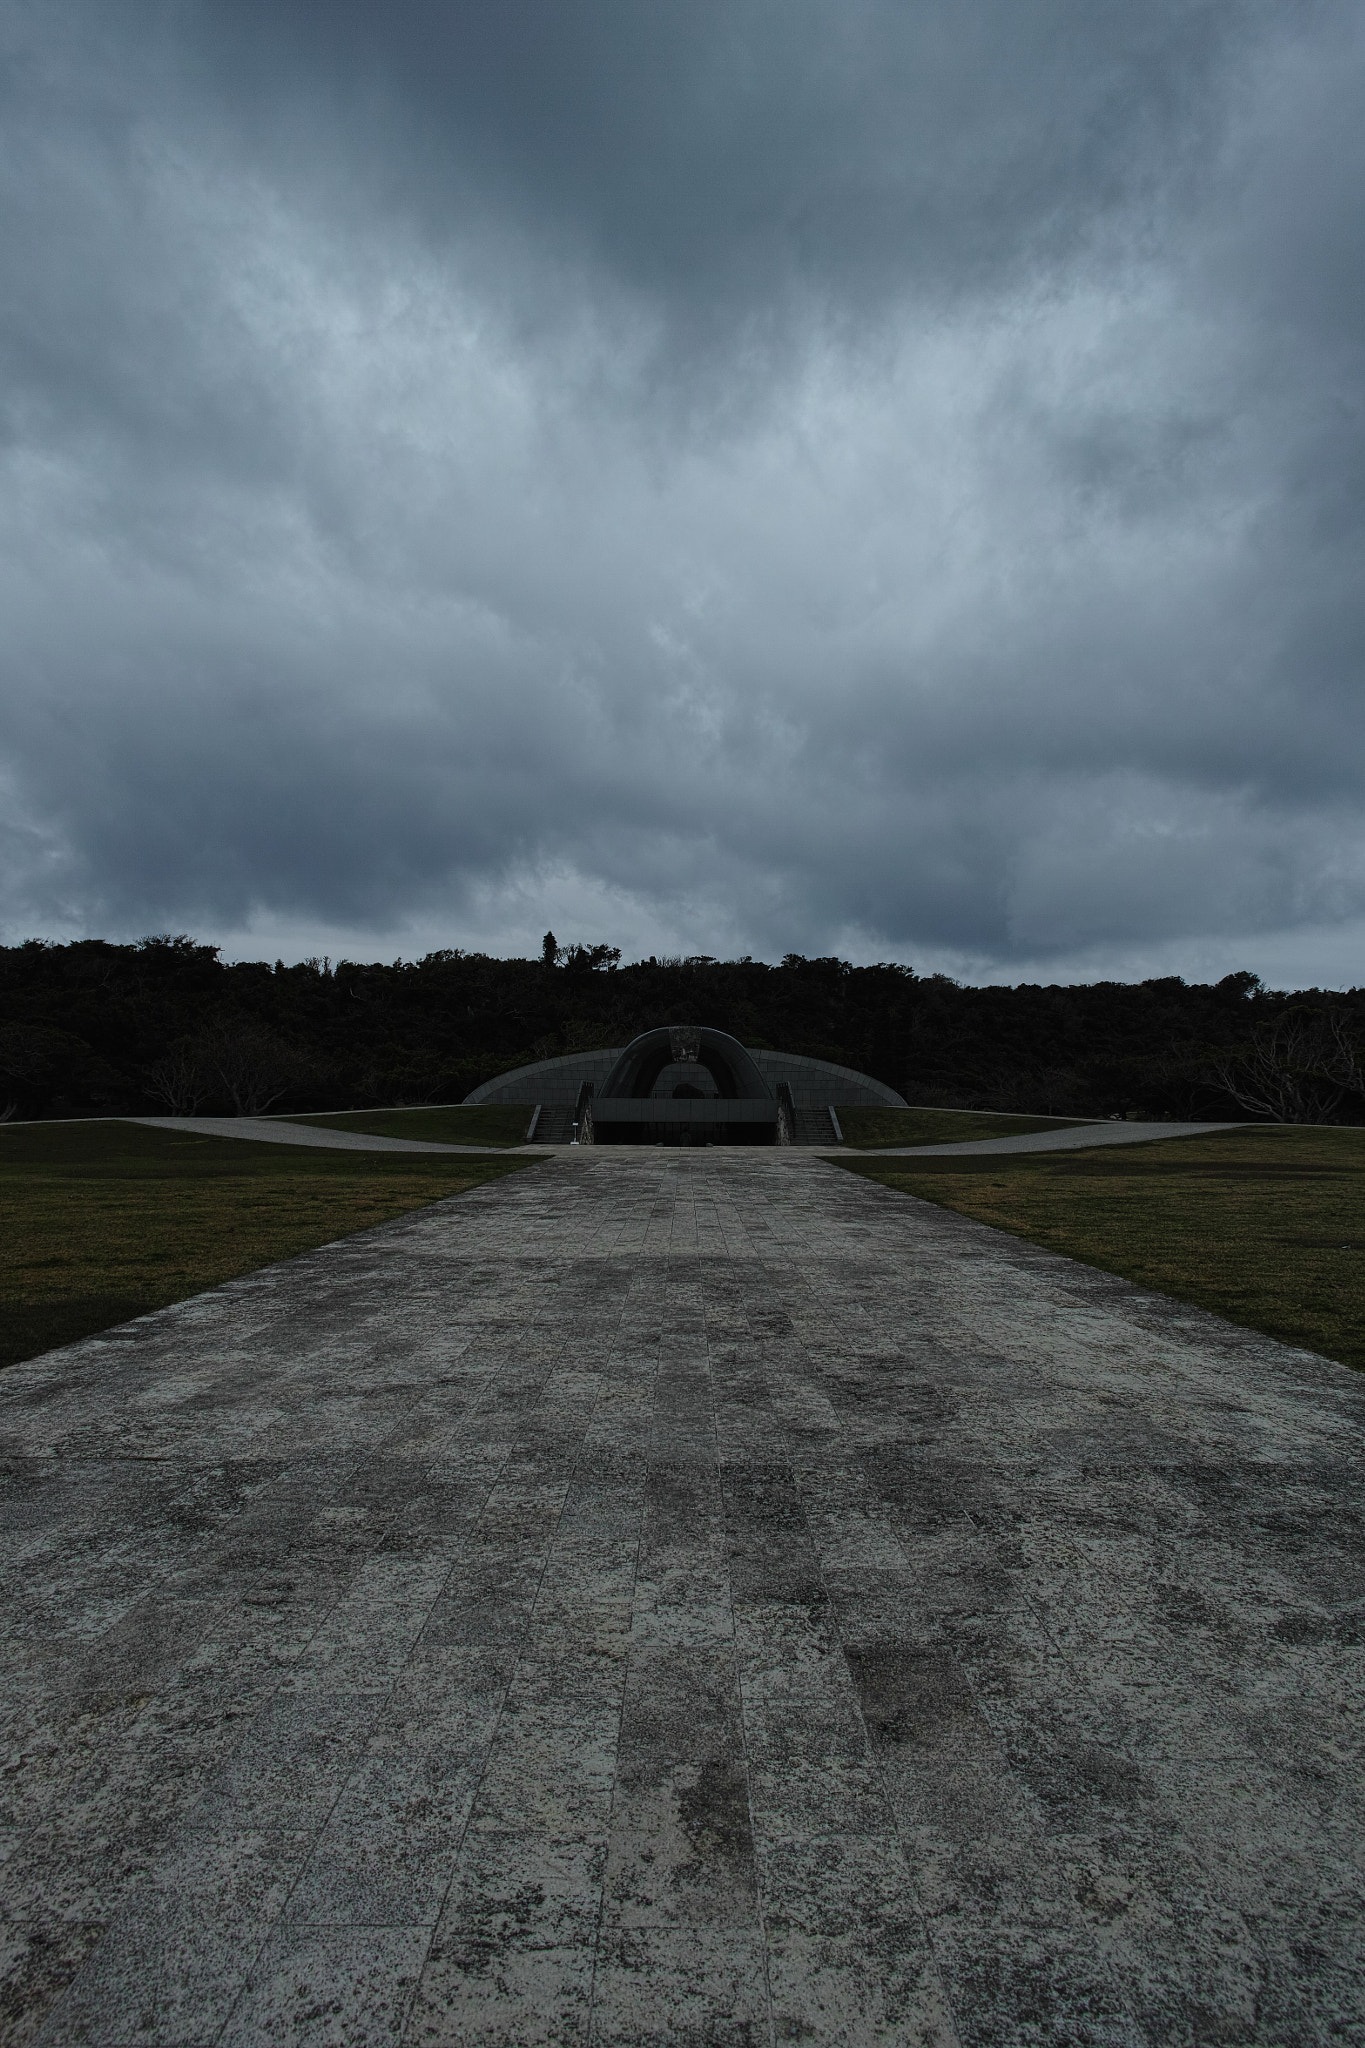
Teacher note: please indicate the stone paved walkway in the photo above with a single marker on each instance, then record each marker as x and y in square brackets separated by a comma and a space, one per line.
[690, 1598]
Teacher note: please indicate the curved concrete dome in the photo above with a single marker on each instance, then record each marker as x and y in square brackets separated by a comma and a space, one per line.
[685, 1046]
[684, 1084]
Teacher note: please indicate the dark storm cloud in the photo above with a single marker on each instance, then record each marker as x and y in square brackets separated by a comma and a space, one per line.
[774, 475]
[722, 149]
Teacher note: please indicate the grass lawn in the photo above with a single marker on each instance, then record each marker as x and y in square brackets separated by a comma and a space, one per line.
[1265, 1226]
[491, 1123]
[103, 1221]
[862, 1126]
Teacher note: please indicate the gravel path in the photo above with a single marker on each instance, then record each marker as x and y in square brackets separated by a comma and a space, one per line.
[692, 1598]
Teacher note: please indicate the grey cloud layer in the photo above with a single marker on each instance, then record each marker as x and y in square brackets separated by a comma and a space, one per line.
[719, 146]
[800, 470]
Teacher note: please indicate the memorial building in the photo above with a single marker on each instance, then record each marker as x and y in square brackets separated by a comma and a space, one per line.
[685, 1084]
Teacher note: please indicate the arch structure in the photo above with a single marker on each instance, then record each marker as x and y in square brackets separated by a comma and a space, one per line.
[686, 1084]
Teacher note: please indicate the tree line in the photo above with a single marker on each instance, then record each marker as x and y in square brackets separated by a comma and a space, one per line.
[164, 1026]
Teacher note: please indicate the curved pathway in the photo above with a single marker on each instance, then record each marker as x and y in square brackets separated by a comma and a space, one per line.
[1074, 1138]
[683, 1597]
[269, 1130]
[273, 1130]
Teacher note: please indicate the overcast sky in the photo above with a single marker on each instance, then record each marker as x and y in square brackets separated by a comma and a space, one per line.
[875, 476]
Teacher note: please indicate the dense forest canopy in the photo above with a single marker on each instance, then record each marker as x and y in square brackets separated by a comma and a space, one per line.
[165, 1026]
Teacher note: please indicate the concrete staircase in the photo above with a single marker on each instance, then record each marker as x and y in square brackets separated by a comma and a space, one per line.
[813, 1125]
[554, 1125]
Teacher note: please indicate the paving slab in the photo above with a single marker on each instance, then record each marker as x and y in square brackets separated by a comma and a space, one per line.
[682, 1597]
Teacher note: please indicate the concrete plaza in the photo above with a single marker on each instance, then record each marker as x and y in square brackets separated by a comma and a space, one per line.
[689, 1597]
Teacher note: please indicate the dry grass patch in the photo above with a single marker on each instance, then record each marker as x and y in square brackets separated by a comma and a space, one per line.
[480, 1123]
[104, 1221]
[1265, 1225]
[871, 1127]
